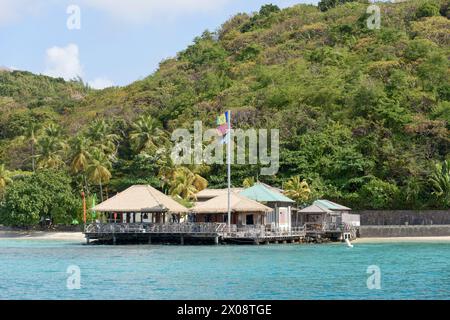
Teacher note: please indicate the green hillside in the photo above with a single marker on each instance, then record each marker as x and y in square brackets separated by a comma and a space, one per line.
[364, 115]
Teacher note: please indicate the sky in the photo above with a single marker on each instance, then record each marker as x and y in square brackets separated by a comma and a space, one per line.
[108, 42]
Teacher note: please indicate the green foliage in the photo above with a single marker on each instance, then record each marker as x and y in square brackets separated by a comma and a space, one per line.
[298, 190]
[427, 10]
[43, 194]
[363, 114]
[261, 19]
[325, 5]
[440, 182]
[378, 194]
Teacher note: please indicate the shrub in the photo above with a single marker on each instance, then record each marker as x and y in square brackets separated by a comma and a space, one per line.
[42, 194]
[427, 10]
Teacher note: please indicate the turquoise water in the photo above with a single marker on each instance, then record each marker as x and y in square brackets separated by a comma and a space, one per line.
[37, 270]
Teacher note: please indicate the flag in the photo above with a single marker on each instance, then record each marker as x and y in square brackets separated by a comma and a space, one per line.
[222, 119]
[222, 129]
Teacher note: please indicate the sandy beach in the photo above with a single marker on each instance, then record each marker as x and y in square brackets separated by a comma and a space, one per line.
[42, 235]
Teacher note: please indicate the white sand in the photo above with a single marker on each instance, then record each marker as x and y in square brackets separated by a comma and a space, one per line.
[402, 239]
[42, 235]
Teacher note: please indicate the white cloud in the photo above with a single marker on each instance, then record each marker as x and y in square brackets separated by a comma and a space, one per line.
[13, 10]
[63, 62]
[144, 11]
[101, 83]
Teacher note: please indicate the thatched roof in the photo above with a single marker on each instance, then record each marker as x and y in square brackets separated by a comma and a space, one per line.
[239, 204]
[212, 193]
[141, 198]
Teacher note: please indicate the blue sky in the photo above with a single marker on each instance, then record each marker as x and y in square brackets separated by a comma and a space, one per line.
[119, 41]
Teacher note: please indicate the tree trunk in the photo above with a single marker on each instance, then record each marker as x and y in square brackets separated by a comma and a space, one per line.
[32, 157]
[86, 184]
[101, 191]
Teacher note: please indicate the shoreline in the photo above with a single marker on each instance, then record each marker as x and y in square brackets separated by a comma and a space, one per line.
[79, 236]
[41, 235]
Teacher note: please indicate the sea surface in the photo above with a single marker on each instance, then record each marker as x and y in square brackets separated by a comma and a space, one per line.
[37, 269]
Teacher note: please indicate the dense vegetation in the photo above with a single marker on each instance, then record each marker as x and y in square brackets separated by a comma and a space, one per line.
[364, 115]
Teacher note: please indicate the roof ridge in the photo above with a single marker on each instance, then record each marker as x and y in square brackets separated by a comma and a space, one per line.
[150, 191]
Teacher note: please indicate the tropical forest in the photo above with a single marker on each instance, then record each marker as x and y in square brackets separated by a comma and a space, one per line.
[363, 114]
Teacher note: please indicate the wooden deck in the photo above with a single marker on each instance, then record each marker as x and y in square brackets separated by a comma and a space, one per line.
[330, 231]
[190, 233]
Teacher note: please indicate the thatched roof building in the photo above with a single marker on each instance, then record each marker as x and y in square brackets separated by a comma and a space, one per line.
[141, 199]
[239, 204]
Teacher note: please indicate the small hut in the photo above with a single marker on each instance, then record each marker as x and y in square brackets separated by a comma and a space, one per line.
[325, 214]
[244, 211]
[280, 217]
[141, 203]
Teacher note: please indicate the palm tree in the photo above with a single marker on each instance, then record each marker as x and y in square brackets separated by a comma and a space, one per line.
[4, 178]
[31, 136]
[440, 182]
[146, 134]
[298, 190]
[98, 169]
[166, 170]
[186, 183]
[102, 137]
[51, 147]
[248, 182]
[50, 152]
[53, 131]
[80, 157]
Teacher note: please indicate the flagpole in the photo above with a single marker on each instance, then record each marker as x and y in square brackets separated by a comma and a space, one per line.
[229, 170]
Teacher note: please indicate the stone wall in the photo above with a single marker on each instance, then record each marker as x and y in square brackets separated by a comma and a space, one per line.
[404, 231]
[404, 217]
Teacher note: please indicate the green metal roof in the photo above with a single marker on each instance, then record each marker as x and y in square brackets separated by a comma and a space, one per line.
[330, 205]
[261, 193]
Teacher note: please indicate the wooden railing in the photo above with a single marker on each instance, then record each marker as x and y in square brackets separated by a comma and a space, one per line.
[220, 229]
[154, 228]
[328, 227]
[261, 231]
